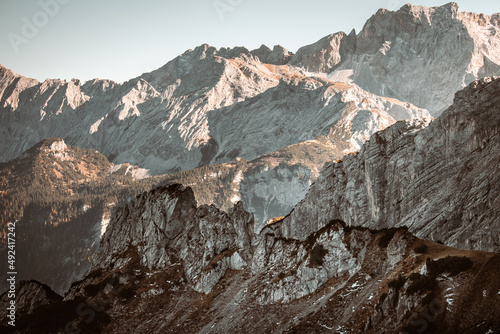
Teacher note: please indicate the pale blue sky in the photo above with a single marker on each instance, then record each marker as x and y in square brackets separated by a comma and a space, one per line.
[119, 40]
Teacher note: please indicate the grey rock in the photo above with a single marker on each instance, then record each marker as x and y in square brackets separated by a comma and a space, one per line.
[392, 56]
[437, 178]
[277, 56]
[166, 227]
[29, 295]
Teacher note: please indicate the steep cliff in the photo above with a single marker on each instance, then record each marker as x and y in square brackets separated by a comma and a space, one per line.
[167, 229]
[439, 179]
[392, 56]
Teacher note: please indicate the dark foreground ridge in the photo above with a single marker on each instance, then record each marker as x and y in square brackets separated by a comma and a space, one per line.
[167, 265]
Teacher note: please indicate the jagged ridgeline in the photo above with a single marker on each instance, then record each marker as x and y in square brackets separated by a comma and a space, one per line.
[249, 103]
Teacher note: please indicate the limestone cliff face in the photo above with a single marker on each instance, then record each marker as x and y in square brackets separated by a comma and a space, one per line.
[438, 179]
[168, 229]
[325, 54]
[418, 54]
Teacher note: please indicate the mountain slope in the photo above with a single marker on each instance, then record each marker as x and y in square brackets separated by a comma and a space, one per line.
[61, 198]
[176, 120]
[440, 180]
[392, 55]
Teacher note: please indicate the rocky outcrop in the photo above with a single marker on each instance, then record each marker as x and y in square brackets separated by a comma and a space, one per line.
[303, 267]
[324, 55]
[30, 295]
[167, 228]
[277, 56]
[438, 179]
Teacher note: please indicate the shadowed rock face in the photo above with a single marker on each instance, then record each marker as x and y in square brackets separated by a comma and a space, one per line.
[439, 180]
[168, 265]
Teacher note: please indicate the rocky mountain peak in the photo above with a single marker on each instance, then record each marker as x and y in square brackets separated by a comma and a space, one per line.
[30, 296]
[391, 57]
[4, 71]
[325, 54]
[277, 56]
[48, 144]
[424, 12]
[58, 146]
[51, 164]
[161, 247]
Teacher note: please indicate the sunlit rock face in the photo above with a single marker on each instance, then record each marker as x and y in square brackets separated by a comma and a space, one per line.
[418, 54]
[172, 119]
[190, 112]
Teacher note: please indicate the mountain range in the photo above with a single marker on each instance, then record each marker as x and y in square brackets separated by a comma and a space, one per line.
[317, 179]
[167, 264]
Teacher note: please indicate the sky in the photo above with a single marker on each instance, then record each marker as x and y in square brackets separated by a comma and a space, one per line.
[120, 40]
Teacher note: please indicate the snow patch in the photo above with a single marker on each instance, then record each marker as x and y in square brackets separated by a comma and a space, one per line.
[136, 172]
[356, 284]
[235, 199]
[449, 297]
[94, 127]
[104, 226]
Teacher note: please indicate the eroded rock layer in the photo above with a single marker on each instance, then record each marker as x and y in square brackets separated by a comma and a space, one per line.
[440, 180]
